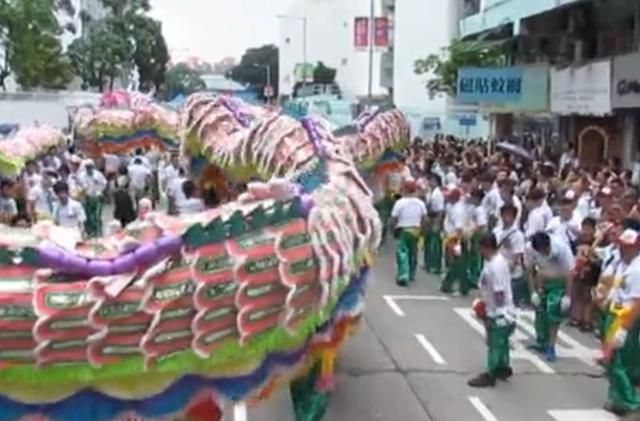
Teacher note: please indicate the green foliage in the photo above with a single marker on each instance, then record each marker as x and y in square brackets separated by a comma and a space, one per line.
[251, 69]
[97, 57]
[444, 67]
[130, 38]
[181, 79]
[324, 74]
[29, 39]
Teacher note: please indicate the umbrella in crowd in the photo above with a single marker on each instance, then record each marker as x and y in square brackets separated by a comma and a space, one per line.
[515, 150]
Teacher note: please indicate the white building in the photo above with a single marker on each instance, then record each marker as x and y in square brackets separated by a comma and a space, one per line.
[423, 28]
[329, 39]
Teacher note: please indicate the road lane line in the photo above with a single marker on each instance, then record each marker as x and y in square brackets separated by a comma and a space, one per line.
[574, 349]
[240, 412]
[519, 351]
[582, 415]
[393, 306]
[420, 297]
[482, 409]
[431, 350]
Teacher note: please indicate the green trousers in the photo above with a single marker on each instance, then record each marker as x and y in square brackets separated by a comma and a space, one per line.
[93, 211]
[308, 403]
[548, 313]
[621, 372]
[406, 255]
[432, 250]
[474, 260]
[384, 207]
[498, 333]
[457, 272]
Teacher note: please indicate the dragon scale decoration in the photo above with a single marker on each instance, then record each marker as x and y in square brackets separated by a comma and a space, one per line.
[173, 318]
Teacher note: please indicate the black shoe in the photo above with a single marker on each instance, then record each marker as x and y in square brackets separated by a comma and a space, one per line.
[632, 416]
[504, 373]
[483, 380]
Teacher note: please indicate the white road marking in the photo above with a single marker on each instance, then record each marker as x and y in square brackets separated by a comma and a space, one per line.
[574, 349]
[431, 350]
[393, 305]
[519, 351]
[240, 412]
[482, 409]
[582, 415]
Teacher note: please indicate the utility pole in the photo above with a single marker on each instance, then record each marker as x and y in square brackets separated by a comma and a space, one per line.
[372, 28]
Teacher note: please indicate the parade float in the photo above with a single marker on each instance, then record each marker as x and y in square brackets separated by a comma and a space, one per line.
[123, 122]
[27, 144]
[181, 318]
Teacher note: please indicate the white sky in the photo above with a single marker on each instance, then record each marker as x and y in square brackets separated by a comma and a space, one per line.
[215, 29]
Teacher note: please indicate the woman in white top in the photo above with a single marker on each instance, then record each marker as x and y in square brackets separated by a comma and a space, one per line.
[407, 217]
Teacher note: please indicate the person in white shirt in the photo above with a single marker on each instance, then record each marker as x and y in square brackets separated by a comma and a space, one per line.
[511, 243]
[381, 201]
[624, 332]
[551, 263]
[395, 179]
[567, 225]
[8, 205]
[41, 199]
[407, 217]
[191, 204]
[175, 193]
[435, 204]
[496, 295]
[539, 214]
[507, 196]
[139, 178]
[477, 226]
[455, 222]
[68, 212]
[93, 185]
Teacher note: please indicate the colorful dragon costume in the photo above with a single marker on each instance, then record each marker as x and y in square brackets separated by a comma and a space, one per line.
[27, 144]
[123, 122]
[173, 315]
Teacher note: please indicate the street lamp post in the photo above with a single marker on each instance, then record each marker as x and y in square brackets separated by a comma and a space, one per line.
[372, 28]
[302, 19]
[268, 86]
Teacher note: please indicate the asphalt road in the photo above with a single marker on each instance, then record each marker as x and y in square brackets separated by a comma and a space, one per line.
[414, 354]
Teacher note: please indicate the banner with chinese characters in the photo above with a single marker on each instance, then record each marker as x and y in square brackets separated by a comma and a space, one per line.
[494, 85]
[361, 32]
[381, 35]
[522, 89]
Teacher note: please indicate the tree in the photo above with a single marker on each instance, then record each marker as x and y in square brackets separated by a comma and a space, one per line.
[324, 74]
[98, 56]
[29, 38]
[151, 55]
[444, 67]
[135, 41]
[181, 79]
[252, 68]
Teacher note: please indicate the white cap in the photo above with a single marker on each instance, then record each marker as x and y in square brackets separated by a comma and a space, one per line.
[629, 237]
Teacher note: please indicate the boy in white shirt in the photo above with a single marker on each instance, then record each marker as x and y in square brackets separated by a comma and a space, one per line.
[407, 217]
[539, 214]
[433, 234]
[41, 198]
[68, 212]
[478, 222]
[512, 244]
[495, 293]
[191, 204]
[551, 263]
[455, 222]
[94, 185]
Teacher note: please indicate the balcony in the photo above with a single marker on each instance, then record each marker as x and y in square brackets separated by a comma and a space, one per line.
[500, 12]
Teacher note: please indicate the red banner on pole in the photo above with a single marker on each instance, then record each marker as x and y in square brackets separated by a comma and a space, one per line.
[381, 32]
[361, 32]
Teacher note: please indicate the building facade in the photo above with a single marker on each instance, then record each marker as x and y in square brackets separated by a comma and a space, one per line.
[314, 31]
[574, 64]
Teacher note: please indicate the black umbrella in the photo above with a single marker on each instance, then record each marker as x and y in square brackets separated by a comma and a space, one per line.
[516, 150]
